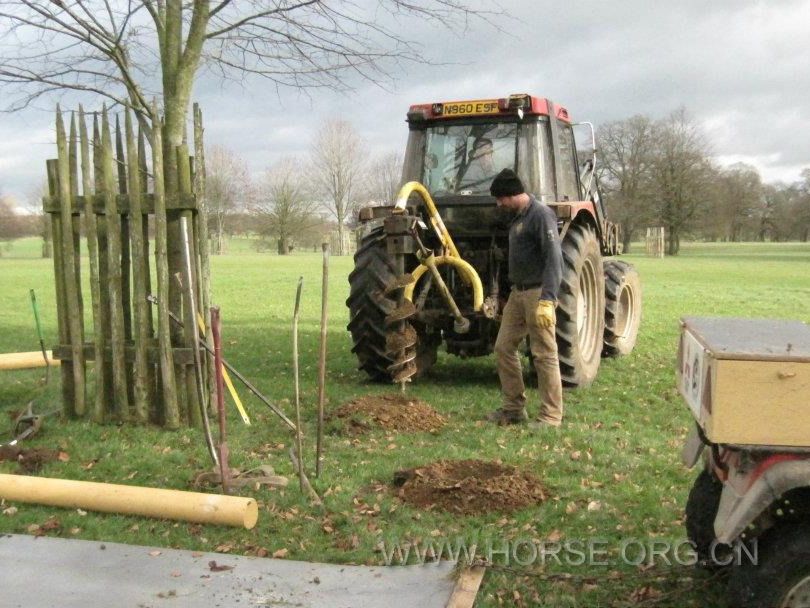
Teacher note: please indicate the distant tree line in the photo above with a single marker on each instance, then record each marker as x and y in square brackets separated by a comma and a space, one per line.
[660, 173]
[299, 202]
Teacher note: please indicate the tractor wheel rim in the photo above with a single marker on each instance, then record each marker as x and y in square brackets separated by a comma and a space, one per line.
[798, 596]
[626, 311]
[586, 305]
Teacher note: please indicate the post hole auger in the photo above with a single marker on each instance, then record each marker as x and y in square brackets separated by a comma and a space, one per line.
[401, 337]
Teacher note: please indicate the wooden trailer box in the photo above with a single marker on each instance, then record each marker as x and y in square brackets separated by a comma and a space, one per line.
[747, 381]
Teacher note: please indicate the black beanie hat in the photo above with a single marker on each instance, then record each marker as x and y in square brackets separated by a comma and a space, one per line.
[506, 183]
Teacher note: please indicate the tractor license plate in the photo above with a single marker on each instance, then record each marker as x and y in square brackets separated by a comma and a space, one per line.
[470, 108]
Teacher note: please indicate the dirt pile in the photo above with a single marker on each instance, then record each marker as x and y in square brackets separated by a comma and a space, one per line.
[469, 487]
[29, 459]
[390, 412]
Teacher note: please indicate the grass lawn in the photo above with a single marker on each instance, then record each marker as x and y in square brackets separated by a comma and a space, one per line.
[613, 472]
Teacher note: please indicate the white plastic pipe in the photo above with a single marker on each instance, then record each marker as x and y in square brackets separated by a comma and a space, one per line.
[194, 507]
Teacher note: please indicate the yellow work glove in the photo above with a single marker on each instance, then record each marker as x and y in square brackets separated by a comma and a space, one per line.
[545, 314]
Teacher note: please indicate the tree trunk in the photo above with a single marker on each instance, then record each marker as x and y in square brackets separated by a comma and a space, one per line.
[341, 230]
[220, 230]
[627, 238]
[283, 245]
[673, 244]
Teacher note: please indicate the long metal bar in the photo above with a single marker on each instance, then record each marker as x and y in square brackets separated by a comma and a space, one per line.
[198, 373]
[235, 372]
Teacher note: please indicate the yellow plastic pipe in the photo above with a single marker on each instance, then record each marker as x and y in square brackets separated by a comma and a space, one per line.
[26, 360]
[435, 219]
[466, 271]
[194, 507]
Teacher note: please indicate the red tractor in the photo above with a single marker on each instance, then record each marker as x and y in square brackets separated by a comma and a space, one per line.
[431, 268]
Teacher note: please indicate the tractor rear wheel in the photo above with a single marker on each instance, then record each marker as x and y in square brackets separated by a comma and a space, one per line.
[369, 304]
[622, 308]
[580, 311]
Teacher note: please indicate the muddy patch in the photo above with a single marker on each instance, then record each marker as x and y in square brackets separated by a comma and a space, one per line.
[469, 487]
[29, 459]
[389, 412]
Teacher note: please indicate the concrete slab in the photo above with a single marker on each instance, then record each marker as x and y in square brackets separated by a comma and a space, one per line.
[65, 573]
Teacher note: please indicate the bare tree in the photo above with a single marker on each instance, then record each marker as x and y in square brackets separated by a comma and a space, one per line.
[284, 209]
[739, 201]
[801, 208]
[626, 153]
[682, 175]
[338, 158]
[228, 186]
[384, 178]
[11, 225]
[131, 50]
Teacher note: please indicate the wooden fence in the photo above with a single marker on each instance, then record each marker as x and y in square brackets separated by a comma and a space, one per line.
[654, 242]
[116, 197]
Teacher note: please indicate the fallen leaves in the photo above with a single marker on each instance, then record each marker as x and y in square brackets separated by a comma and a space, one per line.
[281, 553]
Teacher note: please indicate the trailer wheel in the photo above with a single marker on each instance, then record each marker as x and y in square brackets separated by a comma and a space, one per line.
[622, 308]
[781, 576]
[701, 509]
[368, 306]
[580, 311]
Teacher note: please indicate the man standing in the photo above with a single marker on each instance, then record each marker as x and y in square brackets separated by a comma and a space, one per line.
[535, 268]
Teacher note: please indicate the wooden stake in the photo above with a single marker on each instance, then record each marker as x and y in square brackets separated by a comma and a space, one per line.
[141, 330]
[91, 228]
[74, 321]
[103, 259]
[171, 411]
[114, 286]
[322, 357]
[68, 389]
[298, 437]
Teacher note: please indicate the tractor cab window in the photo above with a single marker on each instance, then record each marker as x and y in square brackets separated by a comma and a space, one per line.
[568, 188]
[464, 159]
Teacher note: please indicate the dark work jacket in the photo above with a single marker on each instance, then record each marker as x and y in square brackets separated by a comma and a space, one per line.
[534, 250]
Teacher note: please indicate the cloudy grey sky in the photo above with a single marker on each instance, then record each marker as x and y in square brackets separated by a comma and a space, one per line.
[741, 67]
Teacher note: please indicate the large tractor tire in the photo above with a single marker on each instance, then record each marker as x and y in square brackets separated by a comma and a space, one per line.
[580, 311]
[369, 305]
[622, 308]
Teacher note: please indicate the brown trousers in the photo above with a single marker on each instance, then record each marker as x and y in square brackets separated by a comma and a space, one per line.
[518, 321]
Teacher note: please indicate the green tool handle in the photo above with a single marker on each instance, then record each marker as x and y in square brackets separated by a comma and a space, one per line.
[35, 306]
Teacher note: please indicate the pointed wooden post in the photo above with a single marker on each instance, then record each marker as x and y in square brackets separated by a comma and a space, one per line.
[203, 245]
[126, 258]
[103, 273]
[66, 367]
[117, 335]
[171, 410]
[76, 221]
[141, 331]
[69, 270]
[91, 229]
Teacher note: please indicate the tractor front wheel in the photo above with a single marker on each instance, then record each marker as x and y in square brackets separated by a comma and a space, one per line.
[580, 311]
[622, 308]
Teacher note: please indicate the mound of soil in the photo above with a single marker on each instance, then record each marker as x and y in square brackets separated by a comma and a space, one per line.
[29, 459]
[390, 412]
[469, 487]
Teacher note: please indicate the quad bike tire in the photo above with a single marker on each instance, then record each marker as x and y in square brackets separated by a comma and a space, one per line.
[622, 308]
[701, 510]
[369, 304]
[581, 305]
[781, 576]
